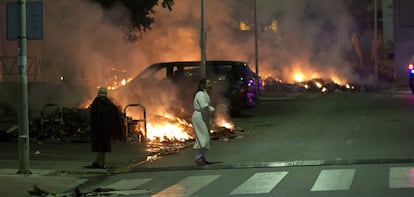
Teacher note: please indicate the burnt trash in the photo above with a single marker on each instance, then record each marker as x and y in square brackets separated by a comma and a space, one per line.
[59, 124]
[315, 85]
[51, 114]
[165, 148]
[273, 85]
[77, 124]
[223, 133]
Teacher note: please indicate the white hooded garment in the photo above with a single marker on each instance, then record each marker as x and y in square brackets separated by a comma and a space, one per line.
[201, 119]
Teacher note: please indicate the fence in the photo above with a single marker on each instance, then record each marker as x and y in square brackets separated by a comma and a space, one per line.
[10, 70]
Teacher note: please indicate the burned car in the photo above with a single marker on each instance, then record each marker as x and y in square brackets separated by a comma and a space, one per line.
[235, 84]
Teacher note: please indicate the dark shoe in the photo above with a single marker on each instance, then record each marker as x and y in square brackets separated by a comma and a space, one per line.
[95, 165]
[99, 166]
[200, 162]
[104, 166]
[207, 162]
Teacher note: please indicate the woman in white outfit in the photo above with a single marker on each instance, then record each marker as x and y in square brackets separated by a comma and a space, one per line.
[201, 120]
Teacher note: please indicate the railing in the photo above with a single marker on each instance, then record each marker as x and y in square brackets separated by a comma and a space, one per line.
[129, 122]
[10, 70]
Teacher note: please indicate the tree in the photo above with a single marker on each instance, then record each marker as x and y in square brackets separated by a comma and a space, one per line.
[139, 17]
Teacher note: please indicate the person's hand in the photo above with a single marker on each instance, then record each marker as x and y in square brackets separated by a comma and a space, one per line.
[211, 108]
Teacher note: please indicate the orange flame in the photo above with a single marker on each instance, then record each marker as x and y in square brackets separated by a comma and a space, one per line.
[225, 123]
[167, 128]
[175, 129]
[116, 84]
[300, 71]
[167, 132]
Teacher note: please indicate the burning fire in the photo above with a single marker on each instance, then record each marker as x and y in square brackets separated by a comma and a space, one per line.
[298, 77]
[167, 132]
[168, 128]
[303, 74]
[112, 85]
[171, 128]
[225, 123]
[116, 78]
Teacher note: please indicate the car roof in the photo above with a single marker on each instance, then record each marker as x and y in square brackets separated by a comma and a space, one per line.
[160, 65]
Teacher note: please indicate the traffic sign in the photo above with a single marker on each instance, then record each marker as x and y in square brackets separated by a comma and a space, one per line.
[34, 20]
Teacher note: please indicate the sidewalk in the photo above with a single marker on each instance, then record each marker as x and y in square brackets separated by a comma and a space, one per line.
[60, 167]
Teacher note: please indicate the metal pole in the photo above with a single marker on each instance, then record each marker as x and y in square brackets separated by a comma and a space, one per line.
[24, 112]
[203, 39]
[255, 38]
[375, 42]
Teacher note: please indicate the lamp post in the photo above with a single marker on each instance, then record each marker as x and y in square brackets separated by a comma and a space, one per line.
[255, 38]
[24, 111]
[376, 43]
[203, 40]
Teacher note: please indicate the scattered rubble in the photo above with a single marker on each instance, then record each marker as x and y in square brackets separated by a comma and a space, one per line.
[57, 125]
[313, 86]
[224, 133]
[62, 125]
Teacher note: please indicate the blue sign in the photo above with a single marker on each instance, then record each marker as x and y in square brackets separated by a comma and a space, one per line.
[34, 20]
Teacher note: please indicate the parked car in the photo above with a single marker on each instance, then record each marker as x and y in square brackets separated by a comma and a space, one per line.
[233, 81]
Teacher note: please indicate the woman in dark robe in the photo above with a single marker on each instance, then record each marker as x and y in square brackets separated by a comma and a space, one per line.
[105, 126]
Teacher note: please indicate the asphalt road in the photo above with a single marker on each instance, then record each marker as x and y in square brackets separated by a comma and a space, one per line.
[340, 144]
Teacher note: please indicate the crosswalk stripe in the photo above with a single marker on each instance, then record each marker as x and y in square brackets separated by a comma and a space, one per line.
[187, 186]
[260, 183]
[265, 182]
[127, 184]
[334, 179]
[401, 177]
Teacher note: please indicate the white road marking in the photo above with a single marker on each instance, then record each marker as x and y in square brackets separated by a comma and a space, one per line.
[401, 177]
[260, 183]
[187, 186]
[127, 184]
[337, 179]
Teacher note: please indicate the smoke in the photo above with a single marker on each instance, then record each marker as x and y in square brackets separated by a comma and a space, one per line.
[315, 35]
[82, 44]
[310, 37]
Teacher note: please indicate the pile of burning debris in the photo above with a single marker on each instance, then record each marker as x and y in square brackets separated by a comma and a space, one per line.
[59, 124]
[164, 135]
[316, 85]
[157, 148]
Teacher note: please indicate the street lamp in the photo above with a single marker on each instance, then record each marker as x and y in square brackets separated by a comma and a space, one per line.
[203, 40]
[255, 38]
[376, 43]
[24, 111]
